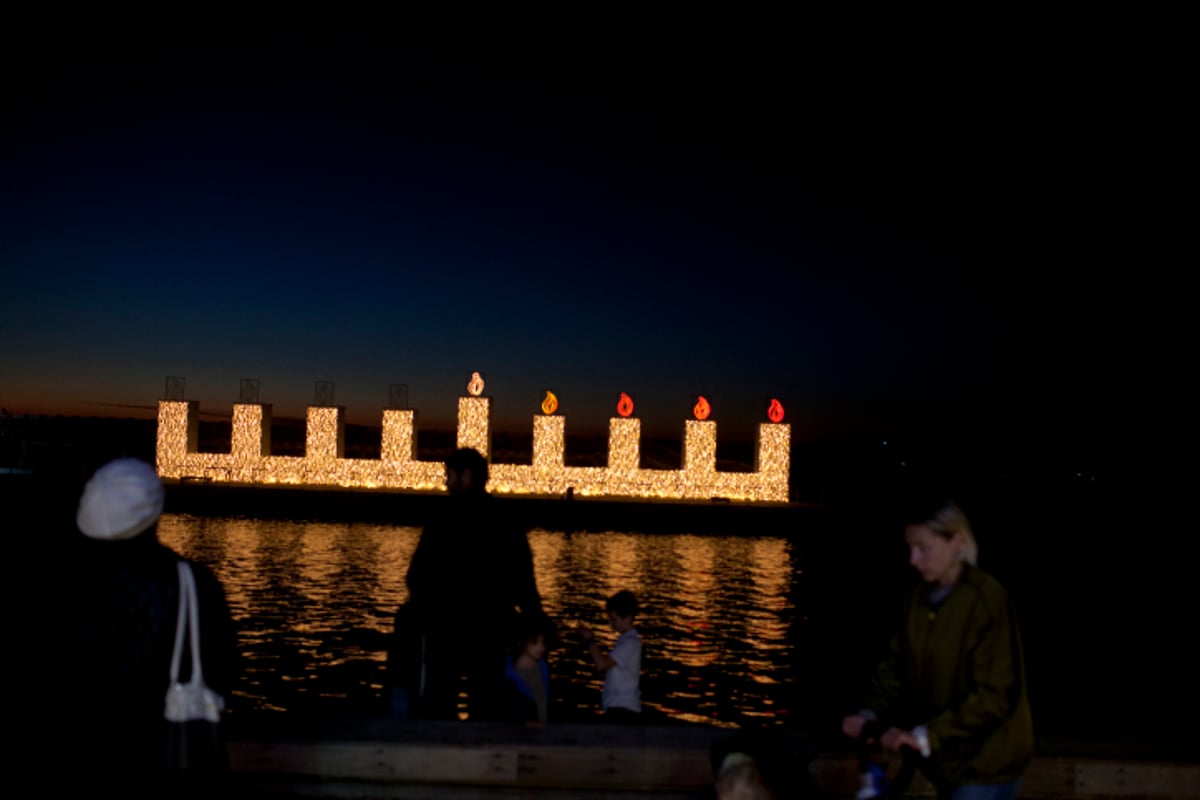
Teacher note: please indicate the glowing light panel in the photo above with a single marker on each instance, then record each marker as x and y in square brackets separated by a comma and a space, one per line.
[474, 423]
[699, 447]
[326, 433]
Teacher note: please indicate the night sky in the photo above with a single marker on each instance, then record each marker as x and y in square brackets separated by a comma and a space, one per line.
[902, 240]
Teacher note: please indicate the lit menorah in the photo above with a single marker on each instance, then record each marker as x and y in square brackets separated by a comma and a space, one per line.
[250, 462]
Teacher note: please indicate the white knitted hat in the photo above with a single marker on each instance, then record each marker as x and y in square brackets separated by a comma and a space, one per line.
[122, 499]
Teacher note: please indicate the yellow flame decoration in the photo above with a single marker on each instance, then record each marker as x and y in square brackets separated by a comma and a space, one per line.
[475, 387]
[550, 404]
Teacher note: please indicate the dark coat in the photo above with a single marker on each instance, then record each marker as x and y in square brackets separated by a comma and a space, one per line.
[958, 668]
[472, 572]
[111, 657]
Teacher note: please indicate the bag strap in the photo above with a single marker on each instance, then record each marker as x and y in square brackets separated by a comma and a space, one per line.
[188, 619]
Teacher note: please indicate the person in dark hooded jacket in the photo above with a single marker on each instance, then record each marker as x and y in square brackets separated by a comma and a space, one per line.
[114, 637]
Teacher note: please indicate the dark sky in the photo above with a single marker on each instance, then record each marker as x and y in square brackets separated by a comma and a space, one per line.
[898, 237]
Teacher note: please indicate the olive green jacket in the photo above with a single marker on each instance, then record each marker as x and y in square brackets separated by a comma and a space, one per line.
[958, 669]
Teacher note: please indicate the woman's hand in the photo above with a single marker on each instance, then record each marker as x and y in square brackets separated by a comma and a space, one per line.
[853, 725]
[895, 738]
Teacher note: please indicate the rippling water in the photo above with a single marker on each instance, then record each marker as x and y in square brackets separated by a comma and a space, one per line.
[314, 602]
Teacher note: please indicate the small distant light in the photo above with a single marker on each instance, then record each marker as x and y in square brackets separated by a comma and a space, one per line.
[885, 442]
[903, 463]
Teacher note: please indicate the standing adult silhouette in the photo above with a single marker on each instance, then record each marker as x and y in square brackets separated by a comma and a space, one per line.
[470, 579]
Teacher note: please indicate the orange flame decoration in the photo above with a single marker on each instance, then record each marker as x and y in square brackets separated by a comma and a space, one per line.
[702, 408]
[775, 412]
[625, 405]
[475, 387]
[550, 404]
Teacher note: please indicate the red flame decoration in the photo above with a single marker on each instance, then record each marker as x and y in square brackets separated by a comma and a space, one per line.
[625, 405]
[702, 408]
[775, 412]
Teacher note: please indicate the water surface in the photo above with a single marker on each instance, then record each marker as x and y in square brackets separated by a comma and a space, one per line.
[314, 603]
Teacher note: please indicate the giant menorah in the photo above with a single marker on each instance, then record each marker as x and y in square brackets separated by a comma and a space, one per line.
[323, 464]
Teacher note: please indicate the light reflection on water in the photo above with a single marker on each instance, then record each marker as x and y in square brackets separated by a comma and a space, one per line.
[314, 603]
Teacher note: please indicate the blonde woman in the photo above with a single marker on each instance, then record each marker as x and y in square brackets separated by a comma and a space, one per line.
[952, 692]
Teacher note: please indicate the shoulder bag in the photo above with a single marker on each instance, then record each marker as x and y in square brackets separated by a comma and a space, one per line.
[193, 711]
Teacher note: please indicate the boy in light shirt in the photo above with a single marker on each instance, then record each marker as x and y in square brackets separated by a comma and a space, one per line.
[622, 665]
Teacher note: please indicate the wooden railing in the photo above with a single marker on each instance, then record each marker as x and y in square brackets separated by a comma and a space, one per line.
[371, 756]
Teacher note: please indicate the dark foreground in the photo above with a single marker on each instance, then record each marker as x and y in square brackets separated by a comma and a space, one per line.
[365, 758]
[1103, 612]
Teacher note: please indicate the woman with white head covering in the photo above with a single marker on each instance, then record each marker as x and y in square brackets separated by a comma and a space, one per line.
[121, 599]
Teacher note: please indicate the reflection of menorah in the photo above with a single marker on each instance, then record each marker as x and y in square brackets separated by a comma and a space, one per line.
[250, 462]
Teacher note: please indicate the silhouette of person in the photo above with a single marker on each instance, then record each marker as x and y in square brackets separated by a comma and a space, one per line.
[952, 692]
[470, 579]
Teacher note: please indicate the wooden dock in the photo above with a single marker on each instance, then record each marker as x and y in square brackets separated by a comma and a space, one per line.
[380, 758]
